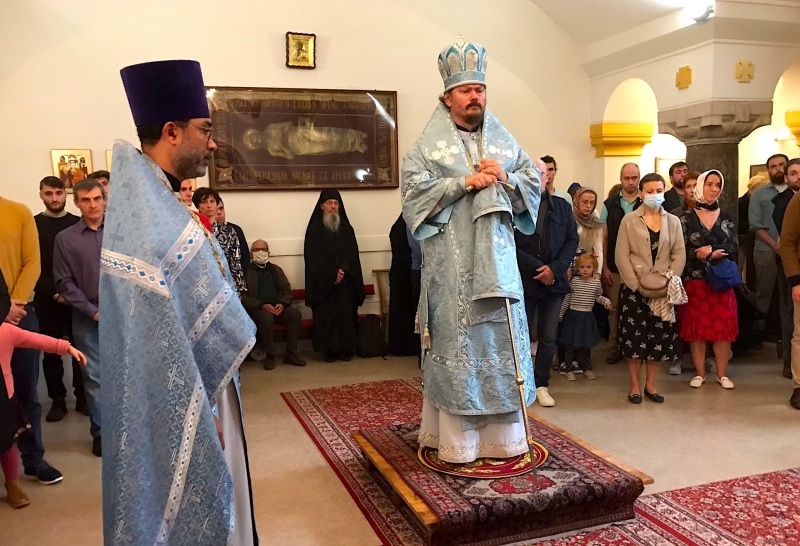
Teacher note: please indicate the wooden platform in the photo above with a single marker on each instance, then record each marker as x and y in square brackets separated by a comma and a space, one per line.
[401, 493]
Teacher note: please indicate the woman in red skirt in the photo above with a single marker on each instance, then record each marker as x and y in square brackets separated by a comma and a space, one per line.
[710, 316]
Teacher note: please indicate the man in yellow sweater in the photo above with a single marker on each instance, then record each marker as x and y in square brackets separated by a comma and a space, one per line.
[20, 264]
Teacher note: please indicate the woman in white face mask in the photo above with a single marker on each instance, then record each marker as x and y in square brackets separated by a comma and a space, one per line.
[650, 255]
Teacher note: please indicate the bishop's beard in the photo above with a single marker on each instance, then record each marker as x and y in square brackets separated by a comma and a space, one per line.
[331, 221]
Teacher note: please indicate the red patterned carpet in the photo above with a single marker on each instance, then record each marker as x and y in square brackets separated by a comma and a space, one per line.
[753, 511]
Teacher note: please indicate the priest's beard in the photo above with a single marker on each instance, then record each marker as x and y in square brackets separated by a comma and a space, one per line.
[190, 163]
[778, 179]
[476, 119]
[331, 221]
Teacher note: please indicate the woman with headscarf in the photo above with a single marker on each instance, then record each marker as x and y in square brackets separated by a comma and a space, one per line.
[590, 230]
[710, 316]
[334, 283]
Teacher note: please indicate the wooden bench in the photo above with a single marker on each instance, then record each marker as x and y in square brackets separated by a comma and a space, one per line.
[307, 324]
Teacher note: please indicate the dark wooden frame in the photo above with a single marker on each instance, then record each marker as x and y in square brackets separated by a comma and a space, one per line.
[387, 97]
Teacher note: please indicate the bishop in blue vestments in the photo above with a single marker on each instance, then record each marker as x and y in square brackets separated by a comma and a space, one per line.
[465, 184]
[173, 334]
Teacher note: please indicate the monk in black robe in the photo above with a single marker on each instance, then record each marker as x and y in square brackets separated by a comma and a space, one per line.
[402, 305]
[334, 283]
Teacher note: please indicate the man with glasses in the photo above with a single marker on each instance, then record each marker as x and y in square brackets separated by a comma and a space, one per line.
[173, 332]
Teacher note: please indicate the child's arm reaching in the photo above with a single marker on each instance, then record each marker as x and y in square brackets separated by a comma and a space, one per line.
[24, 339]
[600, 298]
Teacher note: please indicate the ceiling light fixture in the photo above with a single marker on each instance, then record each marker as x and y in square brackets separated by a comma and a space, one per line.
[699, 10]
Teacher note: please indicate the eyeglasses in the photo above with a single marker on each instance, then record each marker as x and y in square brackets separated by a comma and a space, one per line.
[205, 129]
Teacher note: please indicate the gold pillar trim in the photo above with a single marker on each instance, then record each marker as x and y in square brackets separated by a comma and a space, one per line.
[620, 138]
[683, 78]
[792, 120]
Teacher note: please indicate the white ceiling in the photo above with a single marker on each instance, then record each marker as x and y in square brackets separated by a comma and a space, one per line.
[590, 21]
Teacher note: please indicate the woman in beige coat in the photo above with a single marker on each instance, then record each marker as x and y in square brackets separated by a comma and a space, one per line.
[650, 241]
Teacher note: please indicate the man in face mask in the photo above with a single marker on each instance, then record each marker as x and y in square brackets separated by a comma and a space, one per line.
[268, 301]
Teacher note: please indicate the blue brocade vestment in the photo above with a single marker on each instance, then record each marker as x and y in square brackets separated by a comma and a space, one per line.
[173, 334]
[470, 266]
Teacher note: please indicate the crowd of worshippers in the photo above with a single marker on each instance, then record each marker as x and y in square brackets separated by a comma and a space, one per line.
[658, 273]
[51, 265]
[667, 276]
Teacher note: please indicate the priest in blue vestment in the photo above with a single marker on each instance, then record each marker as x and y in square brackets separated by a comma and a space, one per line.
[465, 184]
[173, 334]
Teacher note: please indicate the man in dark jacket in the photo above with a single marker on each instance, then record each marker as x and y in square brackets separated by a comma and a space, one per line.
[544, 259]
[614, 209]
[781, 201]
[268, 301]
[674, 198]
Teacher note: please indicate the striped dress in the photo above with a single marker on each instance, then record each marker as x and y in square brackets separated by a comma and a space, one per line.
[580, 327]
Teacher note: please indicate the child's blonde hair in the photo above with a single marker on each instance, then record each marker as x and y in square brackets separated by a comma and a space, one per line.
[586, 257]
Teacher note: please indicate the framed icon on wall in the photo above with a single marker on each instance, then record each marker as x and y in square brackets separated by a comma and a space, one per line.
[71, 166]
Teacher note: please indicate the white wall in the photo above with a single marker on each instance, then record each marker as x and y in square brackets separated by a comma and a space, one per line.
[60, 85]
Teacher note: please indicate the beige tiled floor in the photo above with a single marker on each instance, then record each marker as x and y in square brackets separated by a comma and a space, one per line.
[696, 436]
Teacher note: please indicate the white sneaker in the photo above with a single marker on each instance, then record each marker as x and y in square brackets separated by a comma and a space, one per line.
[697, 382]
[544, 398]
[676, 367]
[725, 382]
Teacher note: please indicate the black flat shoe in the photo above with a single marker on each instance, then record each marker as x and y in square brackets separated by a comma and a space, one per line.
[635, 398]
[654, 396]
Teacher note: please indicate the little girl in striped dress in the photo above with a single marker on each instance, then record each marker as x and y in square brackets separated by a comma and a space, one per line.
[580, 332]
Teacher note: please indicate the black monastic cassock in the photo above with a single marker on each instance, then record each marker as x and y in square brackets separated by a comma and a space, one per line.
[334, 306]
[402, 307]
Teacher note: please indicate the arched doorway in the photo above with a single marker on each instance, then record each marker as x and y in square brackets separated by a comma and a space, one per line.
[632, 109]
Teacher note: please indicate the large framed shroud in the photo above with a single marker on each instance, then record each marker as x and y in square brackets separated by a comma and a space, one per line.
[303, 139]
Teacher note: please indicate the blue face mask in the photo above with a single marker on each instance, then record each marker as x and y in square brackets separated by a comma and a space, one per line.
[654, 200]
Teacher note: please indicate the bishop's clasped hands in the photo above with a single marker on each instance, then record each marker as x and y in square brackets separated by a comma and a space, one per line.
[490, 173]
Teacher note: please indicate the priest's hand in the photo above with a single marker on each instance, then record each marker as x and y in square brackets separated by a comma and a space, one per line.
[545, 275]
[478, 181]
[278, 309]
[271, 309]
[219, 432]
[492, 167]
[339, 276]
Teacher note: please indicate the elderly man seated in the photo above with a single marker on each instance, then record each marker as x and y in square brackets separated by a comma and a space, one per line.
[268, 301]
